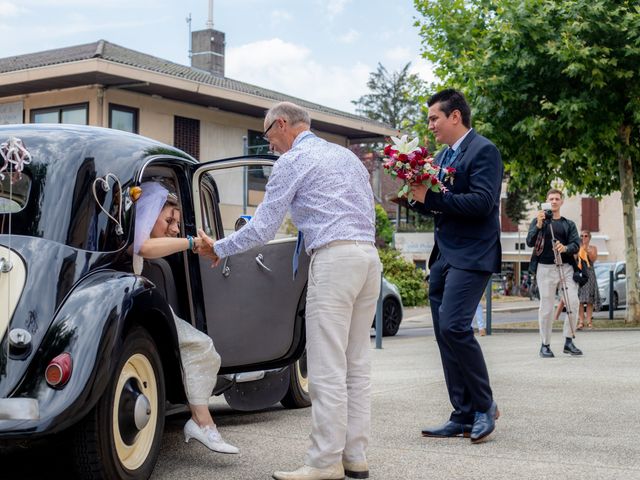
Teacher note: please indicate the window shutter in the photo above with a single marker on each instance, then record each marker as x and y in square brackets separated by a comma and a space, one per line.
[186, 135]
[505, 222]
[590, 215]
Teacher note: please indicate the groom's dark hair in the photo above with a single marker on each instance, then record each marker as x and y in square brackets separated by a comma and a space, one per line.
[450, 100]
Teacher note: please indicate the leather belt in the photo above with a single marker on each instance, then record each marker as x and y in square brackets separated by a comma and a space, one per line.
[335, 243]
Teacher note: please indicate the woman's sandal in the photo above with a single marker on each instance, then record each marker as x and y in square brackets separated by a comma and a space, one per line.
[580, 326]
[590, 326]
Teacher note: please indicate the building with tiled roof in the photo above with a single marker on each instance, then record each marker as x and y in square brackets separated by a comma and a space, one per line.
[195, 107]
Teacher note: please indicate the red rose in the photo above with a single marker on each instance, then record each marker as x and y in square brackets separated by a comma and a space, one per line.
[434, 181]
[402, 175]
[387, 150]
[413, 162]
[403, 157]
[421, 161]
[424, 152]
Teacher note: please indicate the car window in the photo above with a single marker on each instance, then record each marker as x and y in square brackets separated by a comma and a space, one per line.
[14, 192]
[602, 271]
[238, 190]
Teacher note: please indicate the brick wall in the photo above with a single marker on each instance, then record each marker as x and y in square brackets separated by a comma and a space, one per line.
[186, 135]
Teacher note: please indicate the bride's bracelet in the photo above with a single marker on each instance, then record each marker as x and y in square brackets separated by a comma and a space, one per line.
[190, 238]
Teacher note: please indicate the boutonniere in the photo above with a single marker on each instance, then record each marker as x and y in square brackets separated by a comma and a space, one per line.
[449, 174]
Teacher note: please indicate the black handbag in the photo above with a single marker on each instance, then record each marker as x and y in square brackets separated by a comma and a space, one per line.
[580, 277]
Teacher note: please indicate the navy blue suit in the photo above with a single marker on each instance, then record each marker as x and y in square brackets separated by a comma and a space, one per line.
[467, 250]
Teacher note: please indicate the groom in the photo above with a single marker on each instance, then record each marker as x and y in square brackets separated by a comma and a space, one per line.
[467, 250]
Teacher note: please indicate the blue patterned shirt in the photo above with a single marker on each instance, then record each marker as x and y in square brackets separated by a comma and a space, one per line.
[327, 189]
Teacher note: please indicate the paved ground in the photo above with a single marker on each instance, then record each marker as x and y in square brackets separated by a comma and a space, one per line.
[569, 418]
[563, 418]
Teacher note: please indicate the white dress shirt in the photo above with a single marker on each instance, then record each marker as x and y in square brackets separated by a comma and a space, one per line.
[327, 189]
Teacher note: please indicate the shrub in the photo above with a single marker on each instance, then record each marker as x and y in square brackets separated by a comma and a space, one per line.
[409, 279]
[384, 229]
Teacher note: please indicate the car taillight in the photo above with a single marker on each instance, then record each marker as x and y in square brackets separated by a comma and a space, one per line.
[59, 370]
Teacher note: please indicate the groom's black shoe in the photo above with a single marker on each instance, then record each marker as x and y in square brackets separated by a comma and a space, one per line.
[545, 351]
[569, 347]
[484, 423]
[449, 429]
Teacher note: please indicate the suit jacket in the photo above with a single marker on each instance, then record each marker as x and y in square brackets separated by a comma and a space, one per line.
[467, 222]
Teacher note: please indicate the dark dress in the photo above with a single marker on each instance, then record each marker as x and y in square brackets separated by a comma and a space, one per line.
[588, 293]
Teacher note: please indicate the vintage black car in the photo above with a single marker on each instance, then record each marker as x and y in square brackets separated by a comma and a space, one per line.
[88, 347]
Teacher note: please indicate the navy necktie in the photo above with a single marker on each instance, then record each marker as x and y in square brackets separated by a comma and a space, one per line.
[296, 253]
[446, 161]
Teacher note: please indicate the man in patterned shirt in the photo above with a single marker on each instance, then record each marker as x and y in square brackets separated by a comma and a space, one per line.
[327, 189]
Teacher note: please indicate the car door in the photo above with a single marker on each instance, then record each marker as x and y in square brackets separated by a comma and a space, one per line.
[253, 307]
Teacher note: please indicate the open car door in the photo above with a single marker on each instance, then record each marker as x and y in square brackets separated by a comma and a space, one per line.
[253, 309]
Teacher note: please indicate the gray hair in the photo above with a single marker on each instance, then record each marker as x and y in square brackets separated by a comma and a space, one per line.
[291, 112]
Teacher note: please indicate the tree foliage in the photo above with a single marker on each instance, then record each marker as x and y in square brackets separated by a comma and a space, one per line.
[554, 83]
[393, 98]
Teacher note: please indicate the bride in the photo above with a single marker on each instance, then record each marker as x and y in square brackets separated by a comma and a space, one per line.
[156, 235]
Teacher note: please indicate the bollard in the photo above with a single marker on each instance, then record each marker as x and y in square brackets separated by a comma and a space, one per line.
[610, 294]
[487, 317]
[379, 317]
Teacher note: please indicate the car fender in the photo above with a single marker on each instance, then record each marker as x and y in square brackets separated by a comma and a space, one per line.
[90, 325]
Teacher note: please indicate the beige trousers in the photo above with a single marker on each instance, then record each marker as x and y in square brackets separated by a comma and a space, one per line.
[343, 289]
[548, 278]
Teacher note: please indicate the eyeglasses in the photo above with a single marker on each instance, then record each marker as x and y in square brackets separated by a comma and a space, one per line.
[584, 236]
[264, 135]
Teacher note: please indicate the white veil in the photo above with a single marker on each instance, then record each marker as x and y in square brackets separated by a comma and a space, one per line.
[148, 208]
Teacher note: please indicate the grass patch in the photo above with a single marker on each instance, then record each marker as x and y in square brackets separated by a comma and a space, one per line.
[597, 323]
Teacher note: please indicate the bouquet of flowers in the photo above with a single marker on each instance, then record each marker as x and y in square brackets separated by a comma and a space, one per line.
[413, 165]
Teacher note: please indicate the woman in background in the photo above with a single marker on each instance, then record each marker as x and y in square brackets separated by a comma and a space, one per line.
[588, 293]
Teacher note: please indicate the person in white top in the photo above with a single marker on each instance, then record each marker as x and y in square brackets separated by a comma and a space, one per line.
[326, 188]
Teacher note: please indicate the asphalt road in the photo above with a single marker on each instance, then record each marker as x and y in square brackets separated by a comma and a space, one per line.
[564, 418]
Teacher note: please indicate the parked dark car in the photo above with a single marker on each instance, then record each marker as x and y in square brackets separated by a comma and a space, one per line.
[89, 348]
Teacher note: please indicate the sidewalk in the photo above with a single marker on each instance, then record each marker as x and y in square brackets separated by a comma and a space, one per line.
[420, 317]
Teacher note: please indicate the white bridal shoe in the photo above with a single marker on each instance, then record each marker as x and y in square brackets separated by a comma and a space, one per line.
[208, 436]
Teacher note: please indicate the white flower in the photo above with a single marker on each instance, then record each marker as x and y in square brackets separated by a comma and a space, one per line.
[402, 145]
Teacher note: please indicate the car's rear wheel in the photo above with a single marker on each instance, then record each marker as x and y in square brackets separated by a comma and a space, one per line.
[121, 436]
[297, 395]
[391, 317]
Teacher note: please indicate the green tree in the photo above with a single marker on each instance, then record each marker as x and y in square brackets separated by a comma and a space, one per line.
[394, 98]
[554, 83]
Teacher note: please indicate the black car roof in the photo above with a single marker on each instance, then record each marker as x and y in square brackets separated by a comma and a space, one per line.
[69, 146]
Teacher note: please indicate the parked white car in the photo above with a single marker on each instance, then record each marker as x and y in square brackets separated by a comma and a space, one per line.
[619, 283]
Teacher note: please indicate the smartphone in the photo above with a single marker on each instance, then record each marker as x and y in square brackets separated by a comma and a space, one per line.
[545, 206]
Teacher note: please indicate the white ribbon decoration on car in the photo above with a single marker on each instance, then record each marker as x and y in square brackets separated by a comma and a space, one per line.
[13, 153]
[104, 183]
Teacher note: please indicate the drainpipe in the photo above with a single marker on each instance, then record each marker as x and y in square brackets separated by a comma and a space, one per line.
[100, 97]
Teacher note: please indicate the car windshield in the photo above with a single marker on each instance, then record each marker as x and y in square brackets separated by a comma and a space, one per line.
[602, 270]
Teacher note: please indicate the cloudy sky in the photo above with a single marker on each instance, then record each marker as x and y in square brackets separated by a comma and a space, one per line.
[319, 50]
